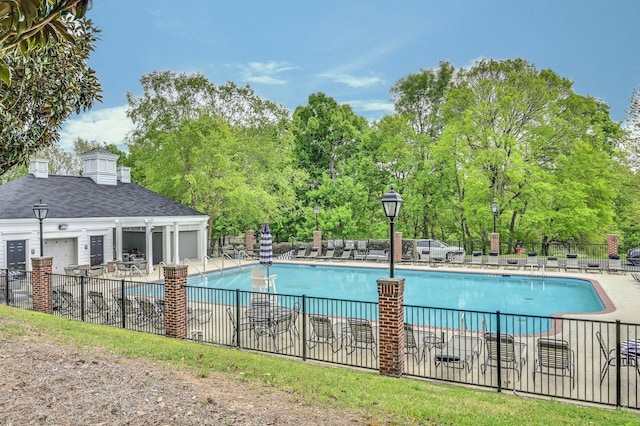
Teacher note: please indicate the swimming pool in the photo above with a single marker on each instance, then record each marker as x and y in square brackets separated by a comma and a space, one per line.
[517, 294]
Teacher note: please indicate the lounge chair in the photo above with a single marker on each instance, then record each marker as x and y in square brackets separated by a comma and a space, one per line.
[635, 276]
[243, 324]
[554, 357]
[512, 262]
[65, 303]
[476, 258]
[313, 253]
[614, 264]
[377, 255]
[552, 263]
[410, 343]
[322, 331]
[10, 297]
[610, 358]
[126, 307]
[98, 307]
[457, 259]
[302, 253]
[532, 260]
[148, 313]
[328, 254]
[361, 251]
[458, 352]
[494, 259]
[361, 336]
[572, 263]
[512, 355]
[346, 254]
[198, 315]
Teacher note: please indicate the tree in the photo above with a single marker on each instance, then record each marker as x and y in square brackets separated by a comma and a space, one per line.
[26, 25]
[48, 86]
[219, 149]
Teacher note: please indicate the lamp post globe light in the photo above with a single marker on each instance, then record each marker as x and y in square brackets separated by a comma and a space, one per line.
[494, 209]
[316, 210]
[40, 211]
[391, 201]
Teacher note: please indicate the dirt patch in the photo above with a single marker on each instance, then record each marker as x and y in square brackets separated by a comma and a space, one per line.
[45, 383]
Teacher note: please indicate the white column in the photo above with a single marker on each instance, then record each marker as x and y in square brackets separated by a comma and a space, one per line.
[149, 244]
[118, 240]
[176, 244]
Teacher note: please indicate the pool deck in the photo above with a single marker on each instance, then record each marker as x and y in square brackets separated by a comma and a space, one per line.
[619, 291]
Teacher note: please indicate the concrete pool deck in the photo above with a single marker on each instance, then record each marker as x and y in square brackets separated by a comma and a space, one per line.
[621, 292]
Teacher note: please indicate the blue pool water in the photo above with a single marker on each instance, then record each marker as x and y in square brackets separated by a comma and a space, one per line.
[522, 295]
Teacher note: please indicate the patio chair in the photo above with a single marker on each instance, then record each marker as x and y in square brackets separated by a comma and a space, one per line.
[346, 254]
[294, 318]
[361, 336]
[65, 303]
[301, 254]
[572, 263]
[512, 355]
[614, 264]
[125, 306]
[149, 313]
[322, 331]
[121, 269]
[494, 259]
[458, 352]
[98, 307]
[360, 252]
[610, 359]
[552, 263]
[328, 254]
[532, 260]
[280, 328]
[238, 327]
[429, 341]
[198, 315]
[410, 343]
[476, 258]
[556, 358]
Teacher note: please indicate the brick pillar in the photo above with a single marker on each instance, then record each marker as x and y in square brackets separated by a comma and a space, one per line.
[495, 242]
[249, 238]
[40, 280]
[391, 326]
[175, 296]
[612, 244]
[317, 241]
[397, 246]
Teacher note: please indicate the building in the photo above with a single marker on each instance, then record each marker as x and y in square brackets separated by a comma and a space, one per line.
[95, 218]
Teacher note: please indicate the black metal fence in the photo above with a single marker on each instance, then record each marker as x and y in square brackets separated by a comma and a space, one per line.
[571, 358]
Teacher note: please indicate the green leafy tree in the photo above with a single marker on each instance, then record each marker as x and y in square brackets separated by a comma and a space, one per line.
[48, 86]
[26, 25]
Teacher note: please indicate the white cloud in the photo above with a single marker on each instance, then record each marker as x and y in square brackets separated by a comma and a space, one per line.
[265, 72]
[109, 125]
[352, 80]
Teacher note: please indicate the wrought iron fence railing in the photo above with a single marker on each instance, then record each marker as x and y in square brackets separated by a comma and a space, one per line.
[579, 359]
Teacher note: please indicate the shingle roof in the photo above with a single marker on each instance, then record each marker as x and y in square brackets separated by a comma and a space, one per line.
[79, 197]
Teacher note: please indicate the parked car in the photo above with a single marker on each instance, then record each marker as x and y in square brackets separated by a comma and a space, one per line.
[438, 249]
[633, 256]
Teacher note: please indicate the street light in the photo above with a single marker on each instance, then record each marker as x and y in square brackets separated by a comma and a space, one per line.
[316, 210]
[41, 211]
[391, 201]
[494, 209]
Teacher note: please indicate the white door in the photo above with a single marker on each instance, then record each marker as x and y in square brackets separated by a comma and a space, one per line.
[63, 251]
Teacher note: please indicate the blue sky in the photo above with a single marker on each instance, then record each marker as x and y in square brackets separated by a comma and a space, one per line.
[352, 50]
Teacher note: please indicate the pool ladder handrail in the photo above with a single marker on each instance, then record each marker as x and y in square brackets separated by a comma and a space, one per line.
[206, 259]
[188, 262]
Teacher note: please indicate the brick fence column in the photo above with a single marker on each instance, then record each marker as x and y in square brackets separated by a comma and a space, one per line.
[248, 239]
[391, 326]
[41, 283]
[317, 241]
[495, 242]
[612, 244]
[175, 296]
[397, 246]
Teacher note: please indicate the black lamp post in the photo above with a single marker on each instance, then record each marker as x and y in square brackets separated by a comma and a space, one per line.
[41, 211]
[391, 201]
[316, 210]
[494, 209]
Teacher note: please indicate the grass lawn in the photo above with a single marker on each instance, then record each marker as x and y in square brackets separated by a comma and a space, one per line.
[385, 400]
